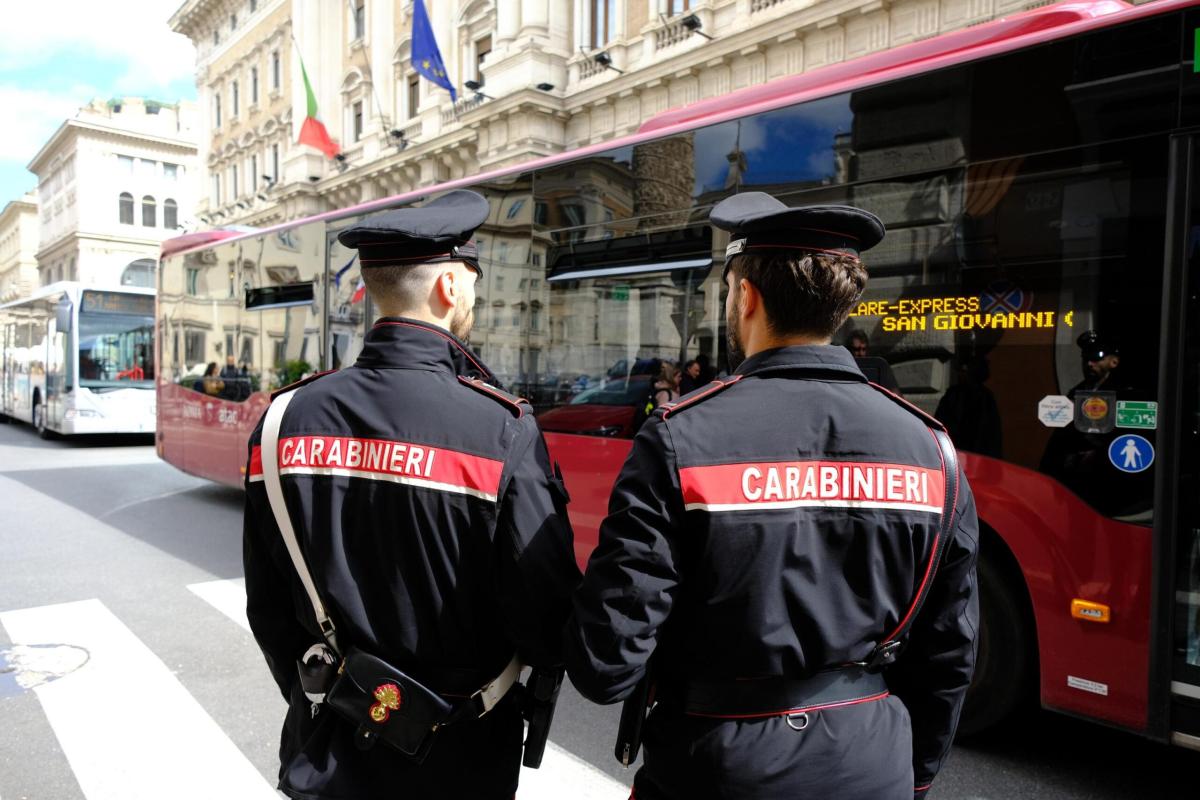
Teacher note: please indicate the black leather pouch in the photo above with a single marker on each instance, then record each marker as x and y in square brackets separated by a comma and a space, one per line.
[386, 704]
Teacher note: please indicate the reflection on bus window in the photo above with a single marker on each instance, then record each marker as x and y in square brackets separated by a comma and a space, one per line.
[115, 350]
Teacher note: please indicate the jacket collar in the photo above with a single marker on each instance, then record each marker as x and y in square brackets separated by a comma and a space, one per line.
[403, 343]
[813, 358]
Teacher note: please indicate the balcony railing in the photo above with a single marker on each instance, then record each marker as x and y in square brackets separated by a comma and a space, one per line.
[464, 105]
[670, 34]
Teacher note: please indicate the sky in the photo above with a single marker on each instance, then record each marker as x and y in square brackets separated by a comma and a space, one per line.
[56, 55]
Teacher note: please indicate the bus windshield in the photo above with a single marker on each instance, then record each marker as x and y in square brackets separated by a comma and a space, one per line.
[115, 350]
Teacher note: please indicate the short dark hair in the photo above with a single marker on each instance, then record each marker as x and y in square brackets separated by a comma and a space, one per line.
[804, 293]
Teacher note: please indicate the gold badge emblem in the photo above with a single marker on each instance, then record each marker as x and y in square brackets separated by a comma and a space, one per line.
[388, 695]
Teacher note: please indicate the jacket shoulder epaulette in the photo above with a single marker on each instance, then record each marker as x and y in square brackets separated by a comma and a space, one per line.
[699, 396]
[928, 419]
[302, 382]
[515, 404]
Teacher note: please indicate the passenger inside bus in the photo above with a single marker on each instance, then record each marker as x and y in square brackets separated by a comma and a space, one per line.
[1078, 454]
[211, 382]
[132, 373]
[968, 409]
[877, 370]
[236, 380]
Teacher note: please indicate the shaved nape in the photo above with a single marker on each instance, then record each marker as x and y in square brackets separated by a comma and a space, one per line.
[402, 290]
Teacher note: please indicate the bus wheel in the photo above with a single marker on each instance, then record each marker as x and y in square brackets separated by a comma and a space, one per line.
[1005, 667]
[39, 420]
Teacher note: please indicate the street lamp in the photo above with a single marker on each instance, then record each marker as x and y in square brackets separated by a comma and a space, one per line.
[693, 24]
[605, 60]
[475, 86]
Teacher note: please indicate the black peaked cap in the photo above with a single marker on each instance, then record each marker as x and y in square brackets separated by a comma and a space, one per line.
[440, 230]
[757, 220]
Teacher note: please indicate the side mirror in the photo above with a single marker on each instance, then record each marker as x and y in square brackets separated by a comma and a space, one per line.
[62, 316]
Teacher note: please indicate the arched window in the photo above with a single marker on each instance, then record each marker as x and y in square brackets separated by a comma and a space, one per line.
[170, 214]
[149, 212]
[126, 208]
[139, 273]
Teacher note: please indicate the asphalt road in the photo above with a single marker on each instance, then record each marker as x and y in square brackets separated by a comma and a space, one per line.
[125, 671]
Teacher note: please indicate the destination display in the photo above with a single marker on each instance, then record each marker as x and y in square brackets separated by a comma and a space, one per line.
[954, 313]
[117, 303]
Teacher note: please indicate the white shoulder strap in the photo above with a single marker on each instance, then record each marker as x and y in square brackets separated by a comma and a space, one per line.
[270, 462]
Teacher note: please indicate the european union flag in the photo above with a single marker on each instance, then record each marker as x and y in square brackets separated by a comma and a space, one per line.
[426, 58]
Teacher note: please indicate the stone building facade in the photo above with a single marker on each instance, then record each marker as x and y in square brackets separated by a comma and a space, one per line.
[553, 75]
[114, 182]
[18, 248]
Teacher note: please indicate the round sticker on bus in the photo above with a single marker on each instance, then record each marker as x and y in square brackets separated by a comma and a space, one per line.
[1095, 408]
[1131, 453]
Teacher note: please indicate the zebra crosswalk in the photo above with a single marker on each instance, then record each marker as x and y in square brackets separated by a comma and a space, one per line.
[130, 729]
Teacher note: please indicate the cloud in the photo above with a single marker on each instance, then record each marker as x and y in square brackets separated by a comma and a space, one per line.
[57, 55]
[32, 115]
[132, 33]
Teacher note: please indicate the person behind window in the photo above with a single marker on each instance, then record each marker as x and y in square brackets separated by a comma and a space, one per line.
[236, 386]
[858, 344]
[877, 370]
[689, 379]
[1101, 363]
[968, 409]
[666, 384]
[211, 382]
[132, 373]
[1079, 458]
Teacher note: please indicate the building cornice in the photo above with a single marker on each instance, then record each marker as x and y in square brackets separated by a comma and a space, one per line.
[791, 25]
[47, 251]
[73, 126]
[197, 18]
[15, 208]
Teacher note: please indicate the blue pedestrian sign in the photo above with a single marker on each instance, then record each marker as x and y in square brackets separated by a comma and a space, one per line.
[1131, 453]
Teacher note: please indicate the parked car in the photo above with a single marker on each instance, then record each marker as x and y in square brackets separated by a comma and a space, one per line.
[618, 409]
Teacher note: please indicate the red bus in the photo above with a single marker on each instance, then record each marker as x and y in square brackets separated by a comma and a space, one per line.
[1037, 290]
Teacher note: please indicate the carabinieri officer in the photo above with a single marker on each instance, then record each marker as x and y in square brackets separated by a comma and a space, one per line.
[431, 519]
[770, 541]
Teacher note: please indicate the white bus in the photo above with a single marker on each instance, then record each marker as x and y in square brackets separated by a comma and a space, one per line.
[79, 360]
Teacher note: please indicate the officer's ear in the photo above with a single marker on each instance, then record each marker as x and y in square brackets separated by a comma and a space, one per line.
[749, 298]
[447, 287]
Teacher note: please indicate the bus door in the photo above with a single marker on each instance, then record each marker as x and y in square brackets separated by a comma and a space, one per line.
[1180, 475]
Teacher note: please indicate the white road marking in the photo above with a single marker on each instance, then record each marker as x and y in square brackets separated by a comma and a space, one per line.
[128, 727]
[560, 768]
[228, 597]
[564, 774]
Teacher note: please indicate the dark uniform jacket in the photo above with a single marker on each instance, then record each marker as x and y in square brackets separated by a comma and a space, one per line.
[435, 529]
[778, 524]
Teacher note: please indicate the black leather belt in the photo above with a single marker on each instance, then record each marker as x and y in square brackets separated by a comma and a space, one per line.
[777, 697]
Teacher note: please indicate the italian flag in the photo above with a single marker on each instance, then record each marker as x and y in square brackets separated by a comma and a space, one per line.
[312, 132]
